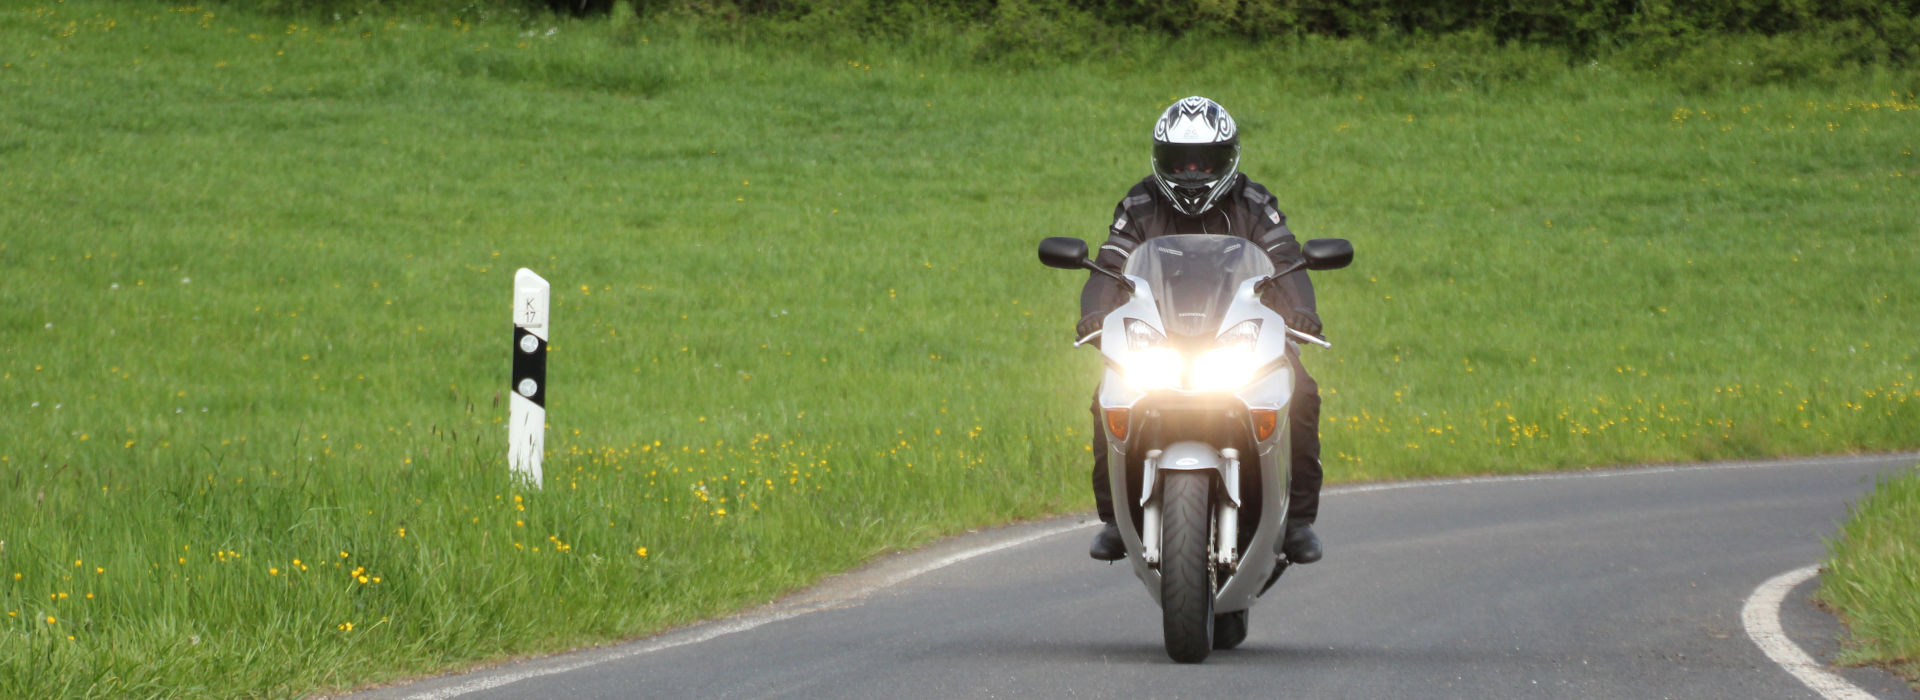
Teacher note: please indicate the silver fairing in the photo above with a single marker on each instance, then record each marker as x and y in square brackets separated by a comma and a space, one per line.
[1271, 390]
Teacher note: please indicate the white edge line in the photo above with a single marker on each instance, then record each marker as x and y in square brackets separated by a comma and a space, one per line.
[495, 681]
[1761, 617]
[971, 553]
[738, 624]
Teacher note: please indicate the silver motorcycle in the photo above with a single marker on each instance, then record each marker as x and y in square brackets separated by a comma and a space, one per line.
[1194, 407]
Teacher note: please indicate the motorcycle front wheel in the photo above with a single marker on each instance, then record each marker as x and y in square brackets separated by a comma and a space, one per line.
[1186, 572]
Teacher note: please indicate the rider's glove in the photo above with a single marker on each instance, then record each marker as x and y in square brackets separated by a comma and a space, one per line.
[1088, 324]
[1303, 320]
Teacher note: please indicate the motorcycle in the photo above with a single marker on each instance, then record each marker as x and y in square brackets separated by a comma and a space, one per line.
[1194, 407]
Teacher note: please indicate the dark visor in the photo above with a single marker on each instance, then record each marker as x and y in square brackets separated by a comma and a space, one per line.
[1193, 164]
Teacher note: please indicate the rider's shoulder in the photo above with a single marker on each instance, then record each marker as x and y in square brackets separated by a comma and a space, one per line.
[1141, 197]
[1255, 192]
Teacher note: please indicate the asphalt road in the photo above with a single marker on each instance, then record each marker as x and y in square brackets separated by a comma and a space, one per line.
[1610, 584]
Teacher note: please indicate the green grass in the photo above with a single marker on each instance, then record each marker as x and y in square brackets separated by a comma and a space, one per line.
[1872, 574]
[258, 277]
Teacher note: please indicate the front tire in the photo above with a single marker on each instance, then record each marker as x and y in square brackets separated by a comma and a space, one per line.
[1186, 569]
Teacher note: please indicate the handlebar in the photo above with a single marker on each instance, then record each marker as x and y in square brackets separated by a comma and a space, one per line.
[1316, 340]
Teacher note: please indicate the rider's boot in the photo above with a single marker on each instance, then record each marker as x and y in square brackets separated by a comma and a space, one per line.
[1107, 545]
[1300, 545]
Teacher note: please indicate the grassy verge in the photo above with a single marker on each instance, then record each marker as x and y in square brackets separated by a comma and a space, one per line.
[1872, 574]
[253, 334]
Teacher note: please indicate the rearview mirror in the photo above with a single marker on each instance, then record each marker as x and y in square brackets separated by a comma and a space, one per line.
[1063, 252]
[1325, 253]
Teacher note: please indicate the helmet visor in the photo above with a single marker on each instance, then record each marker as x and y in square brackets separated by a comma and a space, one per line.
[1194, 165]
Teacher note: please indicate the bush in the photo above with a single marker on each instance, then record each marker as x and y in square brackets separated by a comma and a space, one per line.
[1654, 32]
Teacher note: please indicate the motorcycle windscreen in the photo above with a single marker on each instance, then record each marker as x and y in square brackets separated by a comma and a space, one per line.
[1194, 277]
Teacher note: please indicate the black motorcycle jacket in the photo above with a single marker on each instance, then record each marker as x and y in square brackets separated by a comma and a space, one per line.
[1247, 210]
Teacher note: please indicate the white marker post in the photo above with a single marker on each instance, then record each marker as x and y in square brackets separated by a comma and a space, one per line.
[527, 412]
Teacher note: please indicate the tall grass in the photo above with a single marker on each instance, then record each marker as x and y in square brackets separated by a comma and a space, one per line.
[253, 337]
[1872, 573]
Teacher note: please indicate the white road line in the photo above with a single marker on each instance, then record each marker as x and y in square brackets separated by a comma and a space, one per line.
[1761, 616]
[497, 680]
[742, 624]
[969, 554]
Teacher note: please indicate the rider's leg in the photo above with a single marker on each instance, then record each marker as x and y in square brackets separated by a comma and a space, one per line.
[1303, 497]
[1102, 494]
[1107, 545]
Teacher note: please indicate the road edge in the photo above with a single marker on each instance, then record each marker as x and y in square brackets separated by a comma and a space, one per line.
[1761, 618]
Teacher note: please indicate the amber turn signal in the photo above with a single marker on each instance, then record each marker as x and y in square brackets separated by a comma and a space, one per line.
[1264, 422]
[1117, 423]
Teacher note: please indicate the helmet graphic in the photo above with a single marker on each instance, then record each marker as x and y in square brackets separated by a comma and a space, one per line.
[1196, 149]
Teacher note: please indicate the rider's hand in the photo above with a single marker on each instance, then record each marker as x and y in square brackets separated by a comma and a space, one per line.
[1087, 325]
[1304, 321]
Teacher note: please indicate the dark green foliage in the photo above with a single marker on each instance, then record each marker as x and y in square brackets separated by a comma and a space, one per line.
[1793, 38]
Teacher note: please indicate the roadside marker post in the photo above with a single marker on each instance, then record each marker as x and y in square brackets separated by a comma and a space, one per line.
[527, 407]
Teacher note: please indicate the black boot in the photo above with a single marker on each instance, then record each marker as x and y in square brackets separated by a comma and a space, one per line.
[1107, 545]
[1300, 544]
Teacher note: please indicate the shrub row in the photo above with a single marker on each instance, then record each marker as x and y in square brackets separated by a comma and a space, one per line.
[1849, 31]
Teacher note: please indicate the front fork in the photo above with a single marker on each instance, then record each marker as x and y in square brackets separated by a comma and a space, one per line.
[1226, 512]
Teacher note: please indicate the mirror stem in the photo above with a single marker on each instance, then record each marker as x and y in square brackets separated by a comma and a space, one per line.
[1124, 282]
[1275, 277]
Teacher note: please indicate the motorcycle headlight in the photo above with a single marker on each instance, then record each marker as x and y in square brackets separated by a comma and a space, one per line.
[1231, 365]
[1224, 369]
[1141, 336]
[1243, 335]
[1153, 368]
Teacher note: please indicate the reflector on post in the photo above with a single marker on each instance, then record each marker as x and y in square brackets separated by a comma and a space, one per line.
[527, 407]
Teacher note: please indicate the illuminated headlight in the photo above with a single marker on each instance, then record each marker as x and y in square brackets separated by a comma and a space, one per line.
[1150, 365]
[1243, 335]
[1231, 365]
[1153, 368]
[1141, 336]
[1224, 369]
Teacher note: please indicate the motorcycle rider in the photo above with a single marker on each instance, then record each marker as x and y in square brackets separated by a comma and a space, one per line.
[1196, 187]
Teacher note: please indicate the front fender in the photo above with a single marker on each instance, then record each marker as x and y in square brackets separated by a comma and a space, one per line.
[1193, 456]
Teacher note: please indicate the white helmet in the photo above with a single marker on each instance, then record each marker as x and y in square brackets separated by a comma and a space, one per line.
[1196, 151]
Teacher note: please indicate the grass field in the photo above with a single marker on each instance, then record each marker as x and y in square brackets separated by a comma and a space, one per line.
[254, 329]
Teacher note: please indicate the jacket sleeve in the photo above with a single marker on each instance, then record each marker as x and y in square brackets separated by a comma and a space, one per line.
[1102, 295]
[1296, 290]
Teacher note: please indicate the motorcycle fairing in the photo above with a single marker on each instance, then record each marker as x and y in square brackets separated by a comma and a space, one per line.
[1271, 390]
